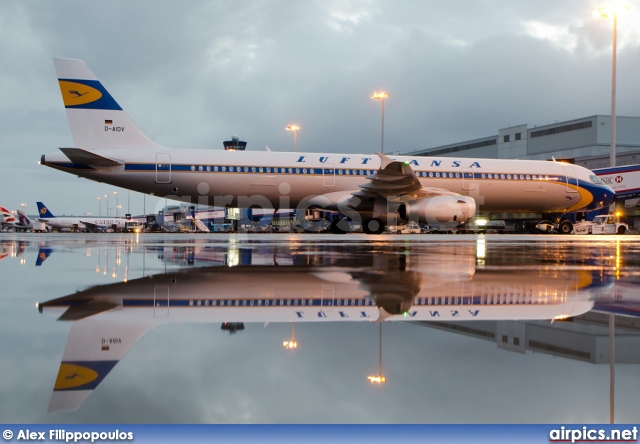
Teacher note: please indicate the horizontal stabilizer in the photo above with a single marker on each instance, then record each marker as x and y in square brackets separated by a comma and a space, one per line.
[84, 157]
[91, 308]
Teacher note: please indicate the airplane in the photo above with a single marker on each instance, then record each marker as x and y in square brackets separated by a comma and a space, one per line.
[79, 223]
[10, 222]
[371, 190]
[107, 320]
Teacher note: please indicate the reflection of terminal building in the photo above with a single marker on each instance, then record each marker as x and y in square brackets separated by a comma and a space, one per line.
[584, 338]
[584, 141]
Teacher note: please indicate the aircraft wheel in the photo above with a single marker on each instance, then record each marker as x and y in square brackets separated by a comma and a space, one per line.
[373, 226]
[622, 229]
[565, 227]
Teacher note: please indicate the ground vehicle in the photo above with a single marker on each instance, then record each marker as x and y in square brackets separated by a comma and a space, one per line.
[133, 227]
[603, 224]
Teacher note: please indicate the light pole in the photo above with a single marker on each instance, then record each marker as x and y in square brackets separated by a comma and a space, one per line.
[99, 206]
[107, 196]
[295, 129]
[612, 10]
[116, 193]
[24, 208]
[381, 96]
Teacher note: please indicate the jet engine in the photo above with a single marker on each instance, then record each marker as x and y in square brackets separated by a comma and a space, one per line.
[439, 211]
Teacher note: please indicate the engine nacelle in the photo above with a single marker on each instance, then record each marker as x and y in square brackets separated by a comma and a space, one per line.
[439, 211]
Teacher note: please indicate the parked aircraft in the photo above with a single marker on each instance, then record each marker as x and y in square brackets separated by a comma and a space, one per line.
[79, 223]
[373, 190]
[108, 319]
[9, 221]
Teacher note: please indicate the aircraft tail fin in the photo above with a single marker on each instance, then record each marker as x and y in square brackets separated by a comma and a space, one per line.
[23, 219]
[93, 349]
[44, 211]
[95, 118]
[7, 217]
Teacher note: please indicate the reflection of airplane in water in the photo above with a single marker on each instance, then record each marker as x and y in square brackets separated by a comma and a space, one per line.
[109, 319]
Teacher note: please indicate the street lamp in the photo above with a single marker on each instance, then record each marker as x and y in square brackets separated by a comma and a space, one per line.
[295, 129]
[107, 196]
[381, 96]
[24, 208]
[611, 10]
[116, 193]
[99, 206]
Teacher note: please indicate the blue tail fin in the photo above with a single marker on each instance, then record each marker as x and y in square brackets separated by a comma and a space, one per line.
[43, 211]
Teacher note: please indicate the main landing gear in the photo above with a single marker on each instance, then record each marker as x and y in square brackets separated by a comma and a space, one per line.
[373, 226]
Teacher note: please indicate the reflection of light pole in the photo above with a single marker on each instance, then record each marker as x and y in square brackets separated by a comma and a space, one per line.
[292, 343]
[295, 129]
[381, 96]
[379, 379]
[611, 10]
[99, 206]
[116, 193]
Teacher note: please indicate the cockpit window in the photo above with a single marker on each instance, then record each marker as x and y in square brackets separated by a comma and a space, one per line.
[595, 179]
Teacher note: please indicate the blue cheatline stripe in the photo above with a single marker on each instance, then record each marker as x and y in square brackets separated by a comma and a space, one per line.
[105, 102]
[241, 169]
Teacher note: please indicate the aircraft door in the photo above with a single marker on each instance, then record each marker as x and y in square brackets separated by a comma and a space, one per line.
[163, 168]
[328, 297]
[468, 180]
[160, 301]
[328, 175]
[571, 179]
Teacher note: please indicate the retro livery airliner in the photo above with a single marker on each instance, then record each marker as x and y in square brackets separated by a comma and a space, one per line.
[371, 189]
[107, 320]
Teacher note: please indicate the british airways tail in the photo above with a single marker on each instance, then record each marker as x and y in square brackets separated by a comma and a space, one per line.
[7, 217]
[95, 118]
[43, 211]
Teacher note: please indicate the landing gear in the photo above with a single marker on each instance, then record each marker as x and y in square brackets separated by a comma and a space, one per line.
[566, 227]
[373, 226]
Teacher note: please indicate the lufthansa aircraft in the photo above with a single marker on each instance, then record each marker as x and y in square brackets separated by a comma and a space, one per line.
[107, 320]
[374, 190]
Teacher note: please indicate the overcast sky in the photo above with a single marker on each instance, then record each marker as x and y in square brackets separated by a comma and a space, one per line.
[193, 74]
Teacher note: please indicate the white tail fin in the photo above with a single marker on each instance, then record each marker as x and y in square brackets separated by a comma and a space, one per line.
[95, 118]
[94, 347]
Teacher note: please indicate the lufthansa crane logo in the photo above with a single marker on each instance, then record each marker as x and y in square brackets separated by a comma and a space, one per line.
[43, 210]
[74, 93]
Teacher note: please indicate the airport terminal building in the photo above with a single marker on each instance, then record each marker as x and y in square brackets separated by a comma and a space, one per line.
[585, 142]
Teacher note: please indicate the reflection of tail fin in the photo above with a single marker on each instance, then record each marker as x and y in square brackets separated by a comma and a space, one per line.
[93, 349]
[43, 254]
[43, 211]
[95, 118]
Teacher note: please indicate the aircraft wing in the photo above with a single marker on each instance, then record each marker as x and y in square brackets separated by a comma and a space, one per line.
[92, 226]
[397, 182]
